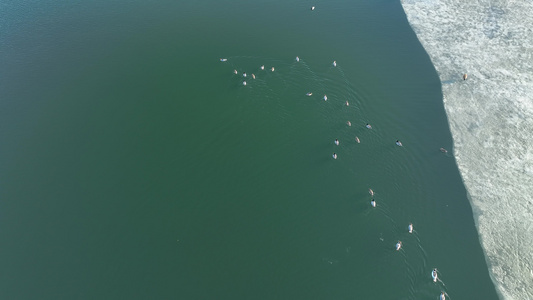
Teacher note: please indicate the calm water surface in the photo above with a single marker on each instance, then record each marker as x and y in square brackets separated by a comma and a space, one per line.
[135, 164]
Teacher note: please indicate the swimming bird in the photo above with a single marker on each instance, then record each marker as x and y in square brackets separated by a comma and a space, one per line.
[434, 275]
[253, 75]
[334, 155]
[309, 94]
[312, 8]
[223, 59]
[410, 228]
[235, 71]
[373, 203]
[398, 245]
[244, 83]
[244, 74]
[368, 126]
[357, 140]
[336, 142]
[348, 123]
[371, 192]
[325, 98]
[272, 69]
[443, 150]
[262, 67]
[297, 58]
[347, 103]
[399, 143]
[334, 63]
[442, 296]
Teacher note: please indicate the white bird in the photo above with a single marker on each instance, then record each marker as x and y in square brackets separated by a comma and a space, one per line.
[223, 59]
[253, 76]
[368, 126]
[334, 63]
[442, 296]
[347, 103]
[309, 94]
[297, 58]
[434, 275]
[325, 98]
[272, 69]
[312, 8]
[244, 83]
[371, 192]
[373, 203]
[398, 245]
[336, 142]
[410, 228]
[244, 74]
[262, 67]
[399, 143]
[357, 140]
[235, 71]
[348, 123]
[334, 155]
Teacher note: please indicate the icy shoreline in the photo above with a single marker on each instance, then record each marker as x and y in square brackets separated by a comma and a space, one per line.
[491, 120]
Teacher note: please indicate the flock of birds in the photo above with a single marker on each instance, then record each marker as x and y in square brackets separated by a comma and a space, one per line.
[410, 228]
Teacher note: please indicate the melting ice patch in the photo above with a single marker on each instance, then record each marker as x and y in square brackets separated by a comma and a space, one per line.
[491, 120]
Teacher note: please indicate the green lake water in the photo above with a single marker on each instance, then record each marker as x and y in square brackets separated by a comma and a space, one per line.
[136, 165]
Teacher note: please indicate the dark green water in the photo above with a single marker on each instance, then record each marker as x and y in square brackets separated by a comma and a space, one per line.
[135, 165]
